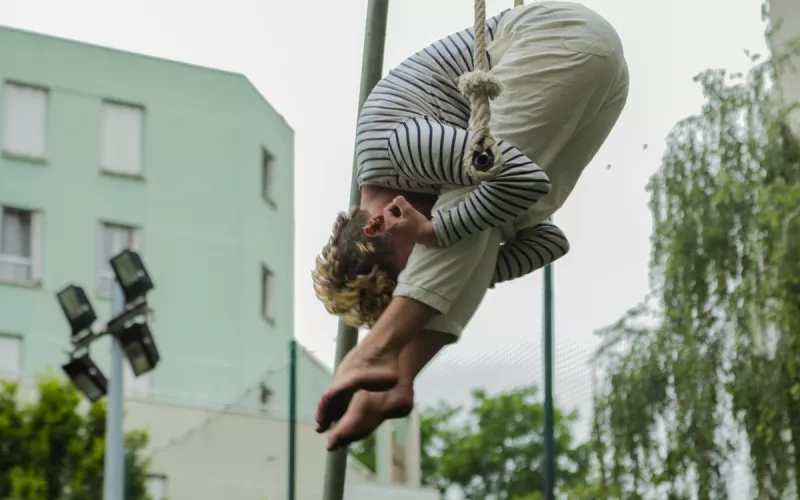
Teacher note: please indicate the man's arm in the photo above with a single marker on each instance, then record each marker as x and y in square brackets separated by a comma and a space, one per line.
[533, 248]
[400, 322]
[431, 153]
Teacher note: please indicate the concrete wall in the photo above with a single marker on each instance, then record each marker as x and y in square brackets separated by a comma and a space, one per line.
[208, 455]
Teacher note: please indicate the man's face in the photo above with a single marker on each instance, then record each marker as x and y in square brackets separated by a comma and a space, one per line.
[376, 225]
[400, 246]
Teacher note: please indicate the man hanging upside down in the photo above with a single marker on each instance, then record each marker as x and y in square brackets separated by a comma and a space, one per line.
[414, 261]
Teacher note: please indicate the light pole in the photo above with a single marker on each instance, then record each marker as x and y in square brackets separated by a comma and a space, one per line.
[549, 413]
[292, 420]
[347, 336]
[114, 477]
[130, 337]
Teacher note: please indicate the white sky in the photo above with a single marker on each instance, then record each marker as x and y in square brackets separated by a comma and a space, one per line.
[305, 57]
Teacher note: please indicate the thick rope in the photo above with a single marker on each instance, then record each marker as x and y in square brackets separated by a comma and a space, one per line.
[482, 159]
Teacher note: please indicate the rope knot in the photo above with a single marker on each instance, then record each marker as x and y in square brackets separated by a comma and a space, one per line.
[479, 84]
[483, 160]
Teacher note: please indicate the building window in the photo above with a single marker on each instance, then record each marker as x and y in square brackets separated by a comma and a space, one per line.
[267, 176]
[10, 357]
[265, 395]
[157, 487]
[113, 240]
[267, 294]
[20, 245]
[122, 138]
[24, 120]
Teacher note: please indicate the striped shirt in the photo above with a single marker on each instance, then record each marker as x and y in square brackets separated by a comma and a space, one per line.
[412, 135]
[533, 248]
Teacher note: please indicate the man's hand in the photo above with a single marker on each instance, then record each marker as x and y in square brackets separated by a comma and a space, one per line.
[403, 219]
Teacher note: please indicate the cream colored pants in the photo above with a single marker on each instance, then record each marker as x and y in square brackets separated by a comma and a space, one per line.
[565, 84]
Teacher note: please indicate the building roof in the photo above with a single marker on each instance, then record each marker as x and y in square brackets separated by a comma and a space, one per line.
[89, 45]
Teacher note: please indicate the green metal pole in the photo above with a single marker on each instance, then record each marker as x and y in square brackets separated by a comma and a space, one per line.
[292, 418]
[549, 431]
[347, 337]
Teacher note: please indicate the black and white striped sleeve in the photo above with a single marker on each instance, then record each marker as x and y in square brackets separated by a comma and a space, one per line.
[533, 248]
[431, 153]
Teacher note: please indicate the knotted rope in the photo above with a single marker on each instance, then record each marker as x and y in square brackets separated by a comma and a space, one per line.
[483, 157]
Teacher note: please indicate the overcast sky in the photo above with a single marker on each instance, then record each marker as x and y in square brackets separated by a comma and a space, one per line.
[305, 57]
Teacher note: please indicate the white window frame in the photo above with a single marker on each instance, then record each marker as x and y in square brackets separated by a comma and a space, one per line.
[268, 294]
[138, 170]
[156, 486]
[16, 372]
[10, 150]
[102, 271]
[37, 243]
[267, 176]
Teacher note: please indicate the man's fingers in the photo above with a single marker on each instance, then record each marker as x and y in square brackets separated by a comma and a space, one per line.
[397, 210]
[392, 211]
[403, 204]
[391, 215]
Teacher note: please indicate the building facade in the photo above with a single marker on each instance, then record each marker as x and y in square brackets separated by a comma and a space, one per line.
[102, 150]
[784, 17]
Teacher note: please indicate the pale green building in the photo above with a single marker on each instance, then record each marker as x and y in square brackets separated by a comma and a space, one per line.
[103, 150]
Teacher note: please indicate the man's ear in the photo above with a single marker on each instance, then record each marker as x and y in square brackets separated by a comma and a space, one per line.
[373, 227]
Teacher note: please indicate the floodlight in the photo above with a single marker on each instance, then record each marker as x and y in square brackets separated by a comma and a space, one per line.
[139, 347]
[131, 275]
[87, 377]
[77, 308]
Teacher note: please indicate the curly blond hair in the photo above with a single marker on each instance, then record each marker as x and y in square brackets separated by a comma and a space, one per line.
[355, 275]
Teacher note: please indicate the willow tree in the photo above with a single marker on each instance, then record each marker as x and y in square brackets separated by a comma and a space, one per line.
[710, 363]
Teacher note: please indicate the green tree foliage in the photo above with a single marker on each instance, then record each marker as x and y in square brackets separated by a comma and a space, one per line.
[493, 450]
[712, 361]
[52, 451]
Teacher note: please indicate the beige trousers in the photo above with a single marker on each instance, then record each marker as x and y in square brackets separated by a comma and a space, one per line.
[565, 83]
